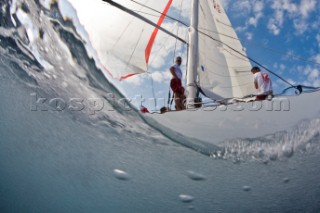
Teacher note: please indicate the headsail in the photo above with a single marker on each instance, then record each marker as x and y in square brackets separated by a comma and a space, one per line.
[222, 72]
[129, 41]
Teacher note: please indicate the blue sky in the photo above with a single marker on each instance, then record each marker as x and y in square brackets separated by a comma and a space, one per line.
[281, 34]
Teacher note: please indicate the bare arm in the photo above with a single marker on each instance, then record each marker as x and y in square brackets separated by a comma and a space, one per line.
[256, 85]
[173, 73]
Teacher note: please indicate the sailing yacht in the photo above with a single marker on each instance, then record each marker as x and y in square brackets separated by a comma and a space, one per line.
[217, 67]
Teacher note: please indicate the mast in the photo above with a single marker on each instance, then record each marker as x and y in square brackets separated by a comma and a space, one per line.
[192, 56]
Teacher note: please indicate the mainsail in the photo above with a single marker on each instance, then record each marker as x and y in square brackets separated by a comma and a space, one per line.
[222, 66]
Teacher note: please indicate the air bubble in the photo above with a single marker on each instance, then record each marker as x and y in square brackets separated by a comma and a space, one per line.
[121, 175]
[246, 188]
[196, 176]
[186, 198]
[286, 180]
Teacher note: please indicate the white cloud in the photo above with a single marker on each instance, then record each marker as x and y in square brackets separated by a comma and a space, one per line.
[225, 4]
[258, 8]
[291, 81]
[317, 58]
[301, 21]
[275, 24]
[165, 45]
[313, 76]
[318, 39]
[291, 8]
[254, 20]
[307, 7]
[135, 80]
[161, 76]
[282, 67]
[244, 6]
[307, 70]
[316, 83]
[249, 36]
[241, 29]
[274, 27]
[300, 25]
[286, 10]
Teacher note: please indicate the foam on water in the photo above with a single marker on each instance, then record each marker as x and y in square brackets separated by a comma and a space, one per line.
[304, 137]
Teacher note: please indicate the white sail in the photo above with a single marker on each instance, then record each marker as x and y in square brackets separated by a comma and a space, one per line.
[125, 42]
[222, 72]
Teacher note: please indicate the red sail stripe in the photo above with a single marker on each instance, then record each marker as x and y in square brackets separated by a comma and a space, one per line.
[128, 76]
[105, 69]
[154, 34]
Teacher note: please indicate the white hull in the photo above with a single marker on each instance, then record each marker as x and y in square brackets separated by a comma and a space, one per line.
[241, 121]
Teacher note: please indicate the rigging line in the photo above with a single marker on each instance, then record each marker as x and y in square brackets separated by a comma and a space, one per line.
[170, 17]
[270, 49]
[228, 25]
[222, 34]
[298, 58]
[124, 30]
[162, 45]
[134, 50]
[149, 14]
[227, 76]
[251, 59]
[174, 56]
[234, 57]
[236, 86]
[294, 57]
[131, 12]
[175, 46]
[225, 66]
[312, 90]
[153, 92]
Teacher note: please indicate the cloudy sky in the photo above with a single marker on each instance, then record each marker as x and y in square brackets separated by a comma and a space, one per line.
[283, 35]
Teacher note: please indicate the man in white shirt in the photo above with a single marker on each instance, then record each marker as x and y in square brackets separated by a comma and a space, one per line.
[262, 83]
[176, 84]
